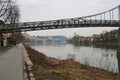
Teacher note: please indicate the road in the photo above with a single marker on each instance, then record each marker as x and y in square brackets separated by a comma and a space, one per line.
[11, 64]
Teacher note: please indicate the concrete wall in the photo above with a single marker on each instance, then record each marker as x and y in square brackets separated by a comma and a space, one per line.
[28, 63]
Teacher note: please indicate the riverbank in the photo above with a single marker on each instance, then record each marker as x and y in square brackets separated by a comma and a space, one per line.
[46, 68]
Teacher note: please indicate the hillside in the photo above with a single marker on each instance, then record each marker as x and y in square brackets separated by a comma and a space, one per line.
[59, 37]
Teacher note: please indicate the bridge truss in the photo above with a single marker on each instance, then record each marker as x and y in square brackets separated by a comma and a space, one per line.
[110, 18]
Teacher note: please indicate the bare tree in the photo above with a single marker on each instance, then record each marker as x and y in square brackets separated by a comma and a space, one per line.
[9, 12]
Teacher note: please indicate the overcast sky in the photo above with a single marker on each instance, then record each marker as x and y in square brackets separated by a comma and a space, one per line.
[40, 10]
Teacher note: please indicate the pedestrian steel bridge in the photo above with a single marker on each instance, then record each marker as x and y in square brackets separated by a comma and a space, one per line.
[109, 18]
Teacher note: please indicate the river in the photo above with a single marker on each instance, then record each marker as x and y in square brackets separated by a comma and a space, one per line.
[107, 59]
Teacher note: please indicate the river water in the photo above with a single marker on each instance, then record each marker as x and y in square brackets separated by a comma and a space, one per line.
[107, 59]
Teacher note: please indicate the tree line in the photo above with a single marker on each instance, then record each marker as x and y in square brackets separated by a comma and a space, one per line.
[105, 37]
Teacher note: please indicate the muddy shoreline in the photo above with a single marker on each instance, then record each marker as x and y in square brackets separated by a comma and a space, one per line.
[47, 68]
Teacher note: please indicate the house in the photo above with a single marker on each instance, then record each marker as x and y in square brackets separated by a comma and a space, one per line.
[95, 38]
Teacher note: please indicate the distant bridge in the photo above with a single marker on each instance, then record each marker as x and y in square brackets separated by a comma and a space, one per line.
[110, 18]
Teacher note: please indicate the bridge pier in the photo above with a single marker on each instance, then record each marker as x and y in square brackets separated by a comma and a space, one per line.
[118, 49]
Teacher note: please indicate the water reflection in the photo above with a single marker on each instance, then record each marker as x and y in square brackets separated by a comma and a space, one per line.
[99, 45]
[107, 59]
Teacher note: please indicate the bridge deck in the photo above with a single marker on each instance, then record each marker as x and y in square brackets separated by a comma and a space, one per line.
[11, 64]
